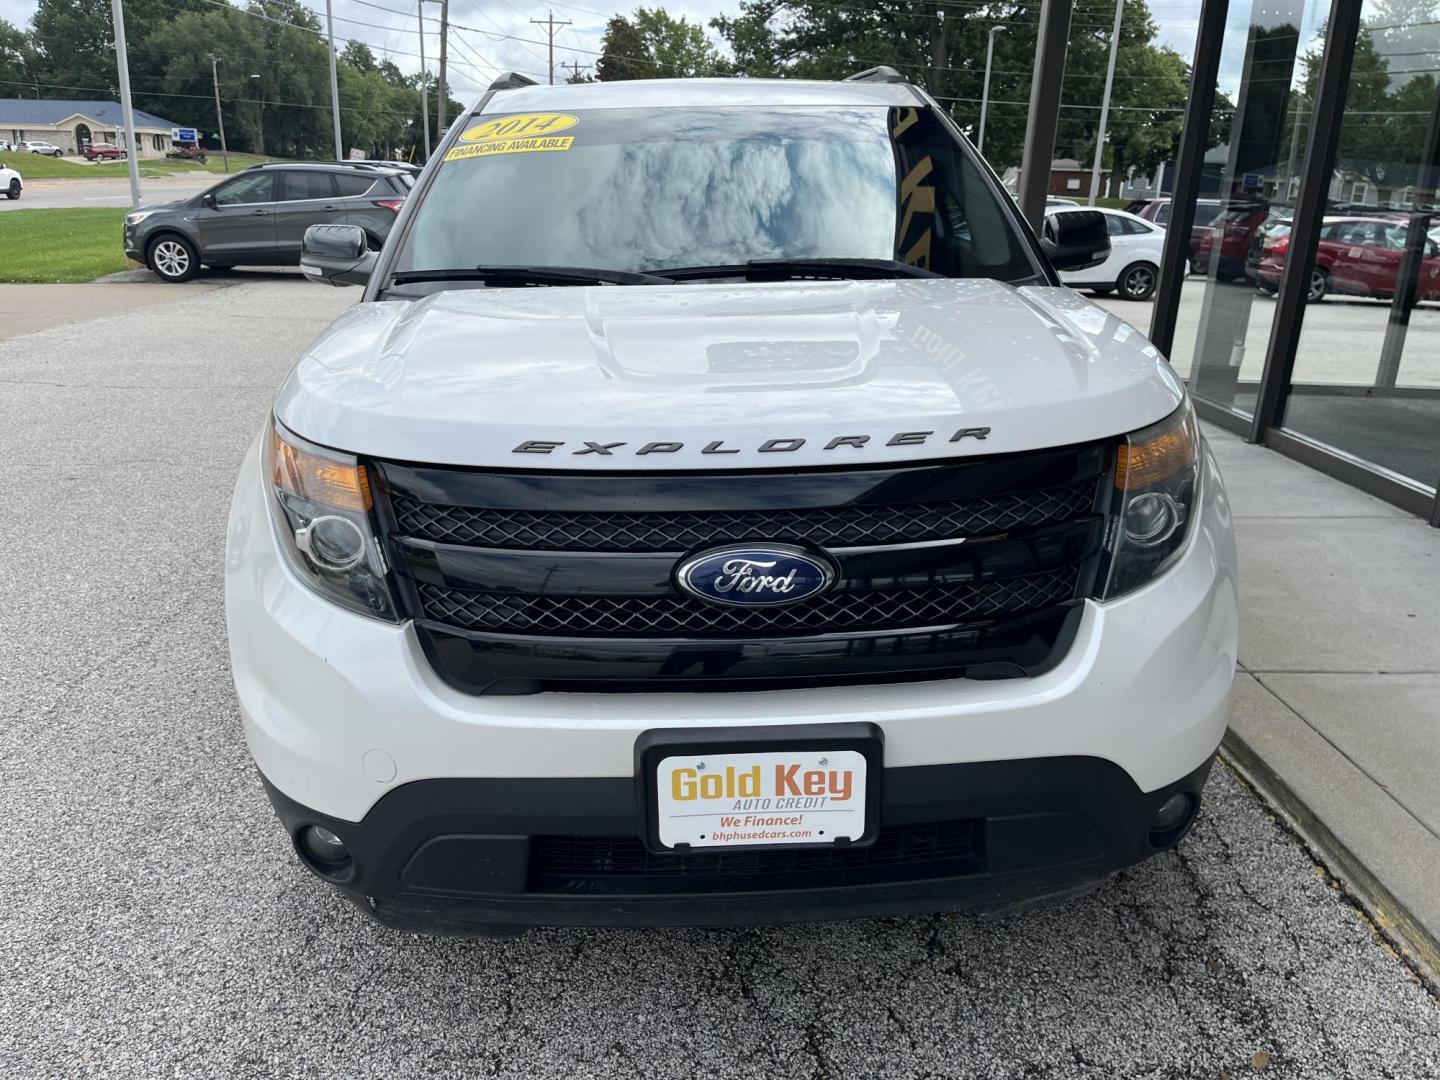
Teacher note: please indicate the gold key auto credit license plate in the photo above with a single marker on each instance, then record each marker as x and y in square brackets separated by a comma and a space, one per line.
[807, 797]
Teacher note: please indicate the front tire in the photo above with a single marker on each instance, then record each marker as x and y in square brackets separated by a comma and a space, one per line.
[173, 258]
[13, 191]
[1319, 286]
[1137, 281]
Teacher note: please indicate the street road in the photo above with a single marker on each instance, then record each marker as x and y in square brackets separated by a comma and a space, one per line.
[55, 194]
[155, 923]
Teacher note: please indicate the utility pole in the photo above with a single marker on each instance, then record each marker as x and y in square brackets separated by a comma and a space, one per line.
[334, 79]
[444, 36]
[1105, 102]
[424, 78]
[122, 60]
[575, 66]
[985, 94]
[551, 26]
[1044, 115]
[219, 118]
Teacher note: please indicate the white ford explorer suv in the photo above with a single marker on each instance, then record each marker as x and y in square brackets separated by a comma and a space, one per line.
[716, 511]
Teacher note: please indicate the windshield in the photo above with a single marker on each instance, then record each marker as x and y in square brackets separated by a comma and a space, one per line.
[656, 189]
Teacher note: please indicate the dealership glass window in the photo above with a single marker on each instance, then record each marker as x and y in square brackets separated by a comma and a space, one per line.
[1257, 146]
[1366, 379]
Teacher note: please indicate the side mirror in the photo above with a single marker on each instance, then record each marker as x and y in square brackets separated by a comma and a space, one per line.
[336, 255]
[1076, 239]
[208, 200]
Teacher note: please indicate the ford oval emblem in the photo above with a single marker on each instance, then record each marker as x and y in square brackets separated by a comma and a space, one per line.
[755, 575]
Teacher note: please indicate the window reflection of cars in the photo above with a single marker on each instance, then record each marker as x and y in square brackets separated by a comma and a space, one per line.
[1206, 210]
[1226, 243]
[1133, 267]
[1356, 256]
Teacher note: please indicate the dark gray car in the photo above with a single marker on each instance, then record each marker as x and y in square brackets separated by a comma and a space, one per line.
[258, 217]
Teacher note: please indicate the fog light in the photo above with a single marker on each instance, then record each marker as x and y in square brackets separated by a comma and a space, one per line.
[334, 542]
[323, 847]
[1151, 519]
[1172, 818]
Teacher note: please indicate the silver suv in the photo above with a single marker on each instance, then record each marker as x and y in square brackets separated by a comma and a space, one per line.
[259, 217]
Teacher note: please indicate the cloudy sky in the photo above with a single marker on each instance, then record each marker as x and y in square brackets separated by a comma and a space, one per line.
[492, 35]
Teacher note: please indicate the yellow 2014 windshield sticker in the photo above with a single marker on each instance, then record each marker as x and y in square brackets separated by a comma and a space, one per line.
[519, 134]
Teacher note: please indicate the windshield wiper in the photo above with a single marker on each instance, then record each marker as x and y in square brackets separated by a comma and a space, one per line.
[533, 275]
[779, 269]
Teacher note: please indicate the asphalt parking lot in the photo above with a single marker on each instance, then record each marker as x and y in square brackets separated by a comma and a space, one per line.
[155, 923]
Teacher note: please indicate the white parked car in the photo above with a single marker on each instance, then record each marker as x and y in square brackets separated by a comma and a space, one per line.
[720, 513]
[36, 147]
[1133, 268]
[10, 183]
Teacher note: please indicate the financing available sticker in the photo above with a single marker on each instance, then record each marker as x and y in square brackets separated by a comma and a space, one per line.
[523, 133]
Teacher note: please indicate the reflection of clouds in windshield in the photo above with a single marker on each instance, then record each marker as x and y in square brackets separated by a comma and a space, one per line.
[816, 188]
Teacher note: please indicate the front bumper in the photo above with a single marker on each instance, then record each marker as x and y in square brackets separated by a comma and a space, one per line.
[481, 856]
[352, 729]
[131, 241]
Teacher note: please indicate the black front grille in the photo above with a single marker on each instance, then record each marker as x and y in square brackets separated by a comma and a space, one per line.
[682, 530]
[527, 580]
[623, 865]
[672, 615]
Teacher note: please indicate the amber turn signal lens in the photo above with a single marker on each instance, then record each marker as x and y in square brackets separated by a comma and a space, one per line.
[336, 484]
[1156, 457]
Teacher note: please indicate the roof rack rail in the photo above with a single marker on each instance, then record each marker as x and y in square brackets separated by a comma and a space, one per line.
[883, 73]
[512, 80]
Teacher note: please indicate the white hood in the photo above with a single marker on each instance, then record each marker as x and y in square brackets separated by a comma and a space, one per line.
[525, 378]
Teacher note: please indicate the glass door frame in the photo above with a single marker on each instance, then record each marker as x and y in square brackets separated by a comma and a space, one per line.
[1341, 34]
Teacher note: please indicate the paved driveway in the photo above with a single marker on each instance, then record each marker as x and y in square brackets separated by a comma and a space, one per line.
[155, 924]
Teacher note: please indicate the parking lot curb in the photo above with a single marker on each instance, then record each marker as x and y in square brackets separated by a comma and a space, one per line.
[1389, 917]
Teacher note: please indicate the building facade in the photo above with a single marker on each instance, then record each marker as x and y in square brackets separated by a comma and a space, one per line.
[74, 125]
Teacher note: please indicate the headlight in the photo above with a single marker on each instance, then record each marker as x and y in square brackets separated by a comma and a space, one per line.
[321, 509]
[137, 217]
[1157, 482]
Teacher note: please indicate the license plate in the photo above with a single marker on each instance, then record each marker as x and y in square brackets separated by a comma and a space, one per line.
[783, 797]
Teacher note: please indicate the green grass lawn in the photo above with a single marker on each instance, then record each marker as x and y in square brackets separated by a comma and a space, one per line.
[60, 245]
[36, 167]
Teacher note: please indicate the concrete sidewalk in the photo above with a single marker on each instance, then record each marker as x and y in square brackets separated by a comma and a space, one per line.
[1336, 713]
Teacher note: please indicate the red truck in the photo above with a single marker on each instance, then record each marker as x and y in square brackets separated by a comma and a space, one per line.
[104, 152]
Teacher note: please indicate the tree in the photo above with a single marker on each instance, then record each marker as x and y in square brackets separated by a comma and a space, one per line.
[653, 44]
[358, 55]
[943, 45]
[14, 55]
[1387, 107]
[72, 44]
[623, 53]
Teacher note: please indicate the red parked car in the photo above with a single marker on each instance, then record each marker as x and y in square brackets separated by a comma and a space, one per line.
[1158, 211]
[1227, 241]
[103, 152]
[1359, 256]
